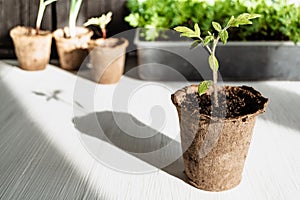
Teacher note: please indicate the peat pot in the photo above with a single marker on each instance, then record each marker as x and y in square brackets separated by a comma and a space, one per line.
[72, 51]
[107, 58]
[32, 50]
[215, 145]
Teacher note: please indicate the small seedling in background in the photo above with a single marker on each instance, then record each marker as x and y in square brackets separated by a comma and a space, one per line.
[101, 21]
[210, 42]
[74, 10]
[42, 6]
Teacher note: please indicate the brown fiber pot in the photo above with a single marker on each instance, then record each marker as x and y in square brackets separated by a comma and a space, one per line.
[215, 148]
[72, 51]
[33, 51]
[107, 58]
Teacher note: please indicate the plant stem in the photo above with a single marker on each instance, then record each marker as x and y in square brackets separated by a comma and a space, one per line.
[103, 33]
[40, 16]
[215, 70]
[207, 47]
[215, 73]
[74, 10]
[72, 26]
[42, 6]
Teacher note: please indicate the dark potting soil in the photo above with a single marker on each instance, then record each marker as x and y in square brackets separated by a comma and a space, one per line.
[232, 102]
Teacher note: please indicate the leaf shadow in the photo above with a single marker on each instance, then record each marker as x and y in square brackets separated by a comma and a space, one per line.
[55, 95]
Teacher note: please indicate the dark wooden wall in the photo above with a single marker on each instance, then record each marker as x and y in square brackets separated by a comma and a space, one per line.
[24, 12]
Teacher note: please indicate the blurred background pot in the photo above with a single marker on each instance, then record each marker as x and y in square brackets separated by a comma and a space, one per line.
[32, 50]
[72, 50]
[107, 58]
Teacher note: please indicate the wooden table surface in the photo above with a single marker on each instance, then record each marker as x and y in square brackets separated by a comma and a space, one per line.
[65, 137]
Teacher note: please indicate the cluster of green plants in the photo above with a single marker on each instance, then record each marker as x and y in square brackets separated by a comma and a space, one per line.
[279, 21]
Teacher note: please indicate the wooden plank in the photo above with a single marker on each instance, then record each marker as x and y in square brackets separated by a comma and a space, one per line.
[63, 8]
[24, 13]
[11, 19]
[43, 156]
[33, 11]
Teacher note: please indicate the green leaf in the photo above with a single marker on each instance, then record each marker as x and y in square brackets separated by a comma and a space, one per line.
[183, 29]
[101, 21]
[203, 87]
[132, 19]
[187, 32]
[207, 40]
[217, 26]
[197, 30]
[195, 44]
[49, 2]
[244, 19]
[92, 21]
[190, 35]
[224, 36]
[231, 21]
[254, 16]
[213, 63]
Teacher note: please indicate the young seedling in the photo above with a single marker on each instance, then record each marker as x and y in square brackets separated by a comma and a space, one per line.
[210, 42]
[42, 6]
[101, 21]
[74, 10]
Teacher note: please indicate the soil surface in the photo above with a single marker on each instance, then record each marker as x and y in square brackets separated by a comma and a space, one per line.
[29, 31]
[109, 42]
[233, 102]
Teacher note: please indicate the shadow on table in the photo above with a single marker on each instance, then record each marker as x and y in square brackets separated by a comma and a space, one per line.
[127, 133]
[124, 131]
[283, 107]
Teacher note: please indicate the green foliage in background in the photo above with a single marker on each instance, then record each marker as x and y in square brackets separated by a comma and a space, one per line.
[280, 20]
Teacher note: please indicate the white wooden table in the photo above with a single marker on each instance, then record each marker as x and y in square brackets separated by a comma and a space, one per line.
[51, 146]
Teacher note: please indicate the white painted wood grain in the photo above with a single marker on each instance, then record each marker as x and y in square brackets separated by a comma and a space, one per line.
[42, 156]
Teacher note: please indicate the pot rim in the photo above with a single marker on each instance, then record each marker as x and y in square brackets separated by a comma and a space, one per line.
[98, 43]
[22, 31]
[59, 34]
[179, 96]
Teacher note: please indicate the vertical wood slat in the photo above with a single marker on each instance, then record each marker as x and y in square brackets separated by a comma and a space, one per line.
[19, 12]
[63, 9]
[94, 9]
[62, 12]
[7, 22]
[24, 13]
